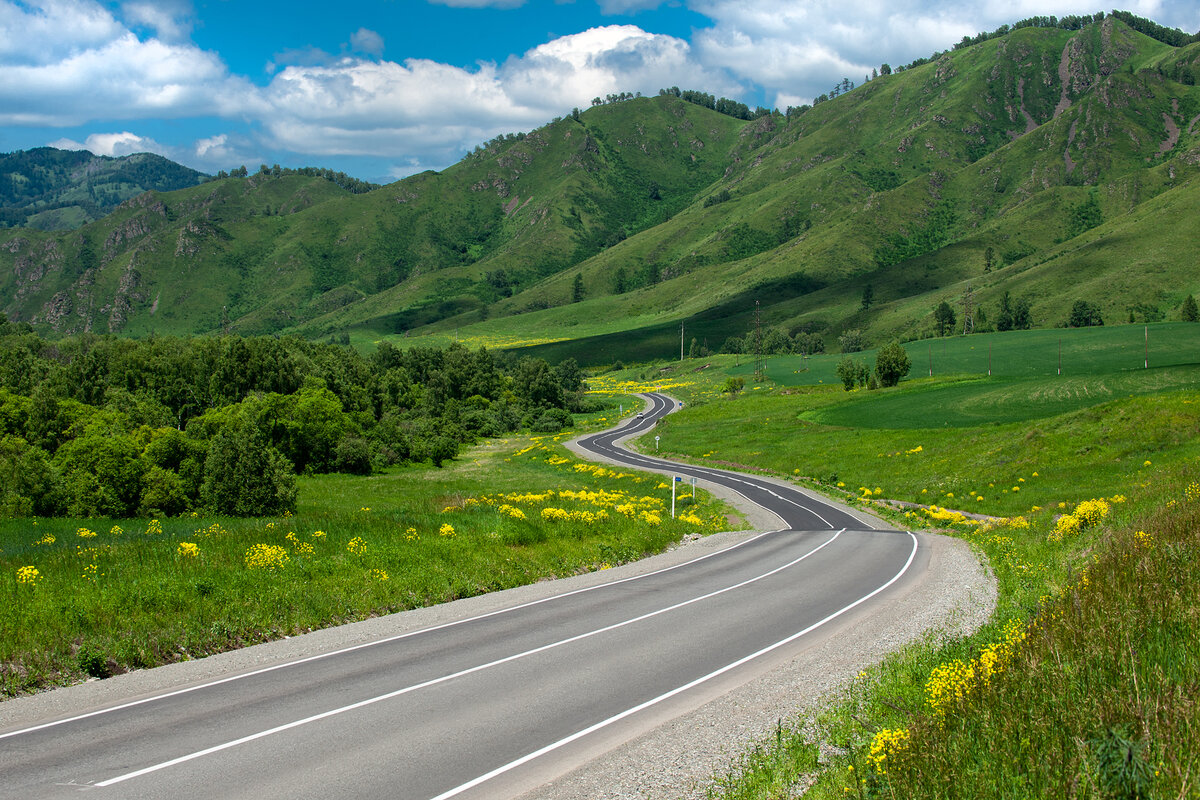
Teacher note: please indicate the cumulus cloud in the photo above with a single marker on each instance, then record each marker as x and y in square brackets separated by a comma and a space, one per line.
[171, 21]
[114, 144]
[359, 107]
[66, 63]
[48, 33]
[367, 41]
[799, 50]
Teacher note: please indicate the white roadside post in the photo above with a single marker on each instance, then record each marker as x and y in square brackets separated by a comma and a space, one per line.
[656, 438]
[693, 490]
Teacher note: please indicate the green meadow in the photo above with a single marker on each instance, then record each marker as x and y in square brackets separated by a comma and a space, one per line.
[1082, 491]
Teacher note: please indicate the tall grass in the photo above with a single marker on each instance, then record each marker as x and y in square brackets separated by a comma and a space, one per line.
[1097, 700]
[1083, 683]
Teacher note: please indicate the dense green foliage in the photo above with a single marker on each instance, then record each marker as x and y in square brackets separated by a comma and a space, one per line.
[891, 364]
[96, 426]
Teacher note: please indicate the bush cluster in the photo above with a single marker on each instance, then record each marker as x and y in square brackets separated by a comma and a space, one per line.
[99, 426]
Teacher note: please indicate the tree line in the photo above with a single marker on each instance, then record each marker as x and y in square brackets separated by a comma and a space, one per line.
[722, 105]
[100, 426]
[341, 179]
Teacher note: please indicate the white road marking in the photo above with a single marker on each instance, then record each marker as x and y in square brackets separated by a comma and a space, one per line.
[666, 696]
[470, 670]
[376, 642]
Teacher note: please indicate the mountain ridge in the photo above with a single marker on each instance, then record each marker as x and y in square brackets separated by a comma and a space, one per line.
[976, 169]
[52, 189]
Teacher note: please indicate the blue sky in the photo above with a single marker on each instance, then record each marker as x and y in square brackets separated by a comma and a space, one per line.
[386, 88]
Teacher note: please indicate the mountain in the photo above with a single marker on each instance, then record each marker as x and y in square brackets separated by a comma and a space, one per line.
[1051, 163]
[53, 189]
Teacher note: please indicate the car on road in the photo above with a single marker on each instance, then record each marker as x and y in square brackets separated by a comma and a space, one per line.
[641, 415]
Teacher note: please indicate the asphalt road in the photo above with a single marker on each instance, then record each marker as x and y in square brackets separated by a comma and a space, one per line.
[492, 705]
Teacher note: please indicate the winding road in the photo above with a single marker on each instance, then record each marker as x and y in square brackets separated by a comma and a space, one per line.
[486, 704]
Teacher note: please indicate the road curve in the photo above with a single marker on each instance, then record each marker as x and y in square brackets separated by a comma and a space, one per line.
[489, 705]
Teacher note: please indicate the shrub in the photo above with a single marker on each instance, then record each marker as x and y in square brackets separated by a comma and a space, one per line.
[892, 363]
[245, 477]
[1188, 311]
[353, 455]
[1084, 315]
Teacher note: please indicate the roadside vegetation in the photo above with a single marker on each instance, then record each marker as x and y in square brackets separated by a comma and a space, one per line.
[96, 596]
[101, 426]
[1087, 510]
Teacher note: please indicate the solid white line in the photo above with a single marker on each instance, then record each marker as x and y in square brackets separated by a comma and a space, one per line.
[666, 696]
[460, 673]
[377, 642]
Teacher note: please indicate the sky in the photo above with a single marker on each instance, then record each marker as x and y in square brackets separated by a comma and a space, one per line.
[381, 90]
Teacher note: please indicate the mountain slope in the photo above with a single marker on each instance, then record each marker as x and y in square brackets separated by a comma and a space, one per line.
[1048, 163]
[53, 189]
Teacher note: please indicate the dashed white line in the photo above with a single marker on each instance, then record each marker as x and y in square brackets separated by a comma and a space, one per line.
[679, 690]
[461, 673]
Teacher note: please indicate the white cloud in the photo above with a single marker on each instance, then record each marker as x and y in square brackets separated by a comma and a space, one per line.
[53, 30]
[171, 21]
[359, 107]
[114, 144]
[367, 41]
[800, 49]
[100, 70]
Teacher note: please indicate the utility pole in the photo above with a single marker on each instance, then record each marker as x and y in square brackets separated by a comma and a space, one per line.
[758, 342]
[681, 341]
[968, 311]
[1147, 347]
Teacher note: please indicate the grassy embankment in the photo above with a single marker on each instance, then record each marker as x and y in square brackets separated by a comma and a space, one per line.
[1084, 682]
[92, 597]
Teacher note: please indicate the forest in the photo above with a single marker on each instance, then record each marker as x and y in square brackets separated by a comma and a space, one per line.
[103, 426]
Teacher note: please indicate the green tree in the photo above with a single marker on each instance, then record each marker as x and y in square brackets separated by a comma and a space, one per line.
[733, 385]
[577, 288]
[868, 297]
[244, 476]
[851, 341]
[892, 363]
[620, 281]
[1084, 315]
[1022, 319]
[852, 372]
[943, 318]
[1188, 312]
[1004, 316]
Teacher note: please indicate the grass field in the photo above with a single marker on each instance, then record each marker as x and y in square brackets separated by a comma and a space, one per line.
[93, 597]
[1088, 491]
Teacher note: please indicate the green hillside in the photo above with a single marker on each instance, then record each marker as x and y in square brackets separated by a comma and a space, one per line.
[53, 189]
[1053, 165]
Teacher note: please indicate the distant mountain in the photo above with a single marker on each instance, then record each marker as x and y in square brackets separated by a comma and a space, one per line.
[1050, 163]
[53, 189]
